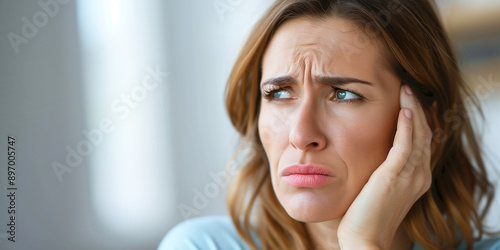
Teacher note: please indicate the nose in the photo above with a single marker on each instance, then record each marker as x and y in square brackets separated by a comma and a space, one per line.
[306, 134]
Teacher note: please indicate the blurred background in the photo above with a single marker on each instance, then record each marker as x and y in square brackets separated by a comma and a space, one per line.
[117, 111]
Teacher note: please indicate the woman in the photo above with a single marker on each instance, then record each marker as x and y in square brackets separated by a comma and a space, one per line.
[354, 118]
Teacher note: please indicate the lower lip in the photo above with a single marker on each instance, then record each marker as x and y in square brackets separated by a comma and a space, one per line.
[306, 180]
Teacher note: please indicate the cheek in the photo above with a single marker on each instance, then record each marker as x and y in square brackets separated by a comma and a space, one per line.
[273, 133]
[365, 139]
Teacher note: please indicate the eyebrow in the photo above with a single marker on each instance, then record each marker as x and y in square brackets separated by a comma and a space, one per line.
[327, 80]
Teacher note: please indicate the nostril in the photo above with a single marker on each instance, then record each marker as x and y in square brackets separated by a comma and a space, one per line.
[315, 144]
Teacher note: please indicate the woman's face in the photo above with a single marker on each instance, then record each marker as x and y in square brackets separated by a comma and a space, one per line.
[328, 114]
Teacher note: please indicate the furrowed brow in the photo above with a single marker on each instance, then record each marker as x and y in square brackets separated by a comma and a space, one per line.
[280, 80]
[328, 80]
[339, 80]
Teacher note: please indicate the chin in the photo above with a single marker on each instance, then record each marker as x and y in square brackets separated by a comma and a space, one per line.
[313, 218]
[306, 209]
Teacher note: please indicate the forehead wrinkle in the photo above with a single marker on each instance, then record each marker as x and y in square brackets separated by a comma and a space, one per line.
[308, 57]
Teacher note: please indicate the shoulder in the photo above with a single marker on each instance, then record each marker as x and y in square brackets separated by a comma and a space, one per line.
[211, 232]
[492, 243]
[488, 243]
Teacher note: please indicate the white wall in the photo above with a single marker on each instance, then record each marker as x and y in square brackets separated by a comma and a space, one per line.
[61, 83]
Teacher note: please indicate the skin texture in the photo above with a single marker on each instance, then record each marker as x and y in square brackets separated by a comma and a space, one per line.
[308, 122]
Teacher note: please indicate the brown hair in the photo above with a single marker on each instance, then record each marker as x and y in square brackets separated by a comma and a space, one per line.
[412, 33]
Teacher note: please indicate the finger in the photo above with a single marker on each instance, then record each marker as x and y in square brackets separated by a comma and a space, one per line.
[421, 134]
[408, 100]
[403, 143]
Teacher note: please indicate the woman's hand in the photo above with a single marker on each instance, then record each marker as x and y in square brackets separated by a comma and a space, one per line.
[377, 212]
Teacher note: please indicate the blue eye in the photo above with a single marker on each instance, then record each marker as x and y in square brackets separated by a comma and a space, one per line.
[281, 94]
[345, 95]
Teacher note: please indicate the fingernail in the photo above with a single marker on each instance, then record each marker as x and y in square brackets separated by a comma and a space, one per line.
[408, 113]
[408, 90]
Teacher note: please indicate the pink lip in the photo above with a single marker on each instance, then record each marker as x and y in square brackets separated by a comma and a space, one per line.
[306, 175]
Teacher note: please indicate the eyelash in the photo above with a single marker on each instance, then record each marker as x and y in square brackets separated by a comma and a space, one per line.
[348, 101]
[268, 94]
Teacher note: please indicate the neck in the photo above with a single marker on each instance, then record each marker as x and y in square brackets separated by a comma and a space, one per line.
[324, 236]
